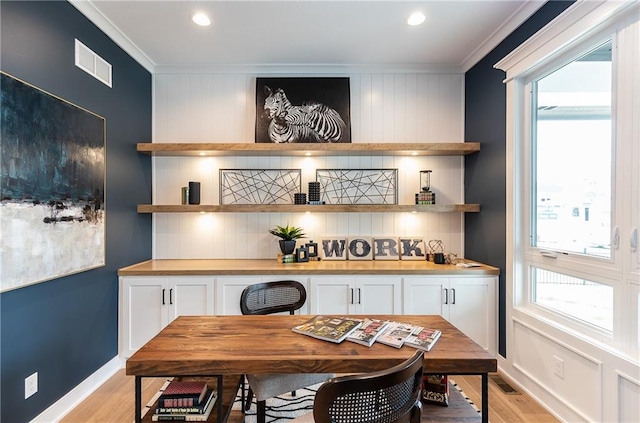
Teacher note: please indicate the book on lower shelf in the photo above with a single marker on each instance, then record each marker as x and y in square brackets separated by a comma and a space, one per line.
[423, 338]
[368, 332]
[183, 394]
[332, 329]
[198, 413]
[395, 334]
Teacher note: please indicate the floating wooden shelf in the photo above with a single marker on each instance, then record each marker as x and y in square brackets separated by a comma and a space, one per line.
[327, 208]
[312, 149]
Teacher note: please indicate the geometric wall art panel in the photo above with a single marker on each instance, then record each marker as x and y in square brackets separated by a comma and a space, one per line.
[255, 186]
[358, 186]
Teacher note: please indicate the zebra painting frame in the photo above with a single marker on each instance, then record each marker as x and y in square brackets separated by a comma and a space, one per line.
[259, 186]
[303, 110]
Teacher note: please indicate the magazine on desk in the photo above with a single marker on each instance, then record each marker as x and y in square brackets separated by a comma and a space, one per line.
[395, 334]
[368, 332]
[332, 329]
[423, 338]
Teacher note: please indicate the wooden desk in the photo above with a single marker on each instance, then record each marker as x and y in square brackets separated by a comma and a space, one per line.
[234, 345]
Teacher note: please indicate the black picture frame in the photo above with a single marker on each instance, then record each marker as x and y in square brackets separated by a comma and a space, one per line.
[321, 98]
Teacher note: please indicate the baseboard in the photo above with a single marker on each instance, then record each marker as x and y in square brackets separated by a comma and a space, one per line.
[64, 405]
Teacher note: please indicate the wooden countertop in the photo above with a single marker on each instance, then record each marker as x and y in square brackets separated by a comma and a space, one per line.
[194, 267]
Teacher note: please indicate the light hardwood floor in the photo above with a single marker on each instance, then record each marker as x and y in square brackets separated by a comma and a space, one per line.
[113, 402]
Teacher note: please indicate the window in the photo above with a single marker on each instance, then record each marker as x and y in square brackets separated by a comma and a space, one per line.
[571, 151]
[571, 147]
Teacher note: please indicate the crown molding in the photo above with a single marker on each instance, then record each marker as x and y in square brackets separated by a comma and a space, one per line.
[527, 10]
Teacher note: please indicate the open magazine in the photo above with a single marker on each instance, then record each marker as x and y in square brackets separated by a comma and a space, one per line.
[332, 329]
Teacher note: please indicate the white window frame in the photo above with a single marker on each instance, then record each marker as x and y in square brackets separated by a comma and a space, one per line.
[579, 28]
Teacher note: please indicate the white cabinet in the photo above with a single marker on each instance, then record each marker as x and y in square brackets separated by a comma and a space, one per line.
[229, 290]
[345, 294]
[469, 303]
[149, 303]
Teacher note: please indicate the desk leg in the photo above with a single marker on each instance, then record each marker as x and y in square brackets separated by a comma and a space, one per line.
[485, 398]
[138, 412]
[220, 399]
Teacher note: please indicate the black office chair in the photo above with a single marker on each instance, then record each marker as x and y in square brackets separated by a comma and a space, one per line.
[386, 396]
[269, 298]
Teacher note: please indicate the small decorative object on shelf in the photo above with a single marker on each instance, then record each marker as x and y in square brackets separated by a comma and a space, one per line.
[288, 236]
[425, 180]
[314, 192]
[185, 196]
[425, 196]
[194, 192]
[302, 255]
[312, 247]
[436, 246]
[299, 198]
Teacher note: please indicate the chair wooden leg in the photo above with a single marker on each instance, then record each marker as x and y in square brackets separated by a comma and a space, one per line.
[261, 411]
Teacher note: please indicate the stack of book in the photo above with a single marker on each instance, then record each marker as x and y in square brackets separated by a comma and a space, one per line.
[190, 401]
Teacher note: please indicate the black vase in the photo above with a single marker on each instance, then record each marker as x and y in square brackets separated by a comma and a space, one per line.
[287, 247]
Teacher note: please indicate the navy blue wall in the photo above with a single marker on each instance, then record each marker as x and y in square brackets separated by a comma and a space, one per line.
[67, 328]
[485, 173]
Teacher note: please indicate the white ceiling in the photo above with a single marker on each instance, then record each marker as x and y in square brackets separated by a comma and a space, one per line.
[160, 35]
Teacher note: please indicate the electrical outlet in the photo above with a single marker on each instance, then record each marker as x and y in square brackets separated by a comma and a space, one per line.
[558, 367]
[30, 385]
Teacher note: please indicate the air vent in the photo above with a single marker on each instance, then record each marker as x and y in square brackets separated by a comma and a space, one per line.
[503, 385]
[93, 64]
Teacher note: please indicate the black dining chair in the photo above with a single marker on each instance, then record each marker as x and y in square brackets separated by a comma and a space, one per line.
[269, 298]
[386, 396]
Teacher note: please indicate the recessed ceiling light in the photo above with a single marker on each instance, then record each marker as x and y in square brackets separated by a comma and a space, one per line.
[416, 19]
[201, 19]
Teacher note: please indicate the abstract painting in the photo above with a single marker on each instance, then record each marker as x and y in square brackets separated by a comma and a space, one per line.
[254, 186]
[303, 110]
[52, 186]
[358, 186]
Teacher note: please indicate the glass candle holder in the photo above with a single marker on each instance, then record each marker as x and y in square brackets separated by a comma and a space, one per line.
[425, 180]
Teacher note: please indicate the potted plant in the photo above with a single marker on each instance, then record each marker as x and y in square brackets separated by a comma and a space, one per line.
[288, 236]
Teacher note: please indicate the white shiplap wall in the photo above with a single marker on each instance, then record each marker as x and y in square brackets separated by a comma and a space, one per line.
[385, 107]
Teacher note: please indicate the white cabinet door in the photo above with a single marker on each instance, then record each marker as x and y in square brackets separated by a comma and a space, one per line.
[149, 303]
[142, 312]
[469, 303]
[342, 294]
[378, 295]
[472, 308]
[332, 294]
[426, 295]
[189, 296]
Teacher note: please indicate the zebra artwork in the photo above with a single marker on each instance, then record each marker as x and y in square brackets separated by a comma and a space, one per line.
[309, 122]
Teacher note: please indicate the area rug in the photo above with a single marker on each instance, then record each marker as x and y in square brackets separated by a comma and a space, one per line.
[282, 408]
[285, 407]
